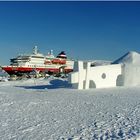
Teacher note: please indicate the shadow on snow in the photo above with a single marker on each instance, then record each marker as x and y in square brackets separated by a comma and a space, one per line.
[54, 84]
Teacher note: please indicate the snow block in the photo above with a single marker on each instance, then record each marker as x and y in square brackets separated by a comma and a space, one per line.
[77, 77]
[94, 77]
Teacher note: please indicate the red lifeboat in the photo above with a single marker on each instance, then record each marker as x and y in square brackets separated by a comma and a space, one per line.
[59, 61]
[47, 62]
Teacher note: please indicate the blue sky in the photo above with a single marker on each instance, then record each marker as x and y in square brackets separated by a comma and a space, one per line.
[85, 30]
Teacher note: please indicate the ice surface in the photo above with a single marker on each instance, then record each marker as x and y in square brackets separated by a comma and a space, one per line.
[49, 109]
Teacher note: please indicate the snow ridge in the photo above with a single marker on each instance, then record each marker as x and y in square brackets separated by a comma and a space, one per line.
[129, 58]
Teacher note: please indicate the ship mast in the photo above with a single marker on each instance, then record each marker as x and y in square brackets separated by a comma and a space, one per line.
[51, 52]
[35, 50]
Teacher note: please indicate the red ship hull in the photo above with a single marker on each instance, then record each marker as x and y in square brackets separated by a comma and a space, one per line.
[14, 70]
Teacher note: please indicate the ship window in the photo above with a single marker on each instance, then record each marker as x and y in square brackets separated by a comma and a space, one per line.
[37, 57]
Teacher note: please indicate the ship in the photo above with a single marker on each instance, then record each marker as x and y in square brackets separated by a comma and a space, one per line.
[36, 61]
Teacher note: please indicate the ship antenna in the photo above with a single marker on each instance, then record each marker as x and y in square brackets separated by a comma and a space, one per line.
[51, 52]
[35, 50]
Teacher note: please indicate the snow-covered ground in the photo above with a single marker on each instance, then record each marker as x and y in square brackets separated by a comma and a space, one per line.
[44, 109]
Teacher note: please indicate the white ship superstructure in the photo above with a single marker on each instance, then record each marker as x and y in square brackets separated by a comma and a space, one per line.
[39, 62]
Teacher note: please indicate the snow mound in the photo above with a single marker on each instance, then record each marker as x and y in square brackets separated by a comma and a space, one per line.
[130, 68]
[129, 58]
[3, 73]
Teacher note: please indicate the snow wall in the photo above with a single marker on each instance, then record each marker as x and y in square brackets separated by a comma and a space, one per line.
[85, 76]
[130, 68]
[131, 75]
[125, 71]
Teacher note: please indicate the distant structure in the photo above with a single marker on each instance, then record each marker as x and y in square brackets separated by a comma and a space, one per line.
[125, 71]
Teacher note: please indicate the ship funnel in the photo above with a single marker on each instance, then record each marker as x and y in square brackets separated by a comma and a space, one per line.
[35, 50]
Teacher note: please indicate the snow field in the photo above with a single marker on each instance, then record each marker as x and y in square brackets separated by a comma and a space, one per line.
[40, 110]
